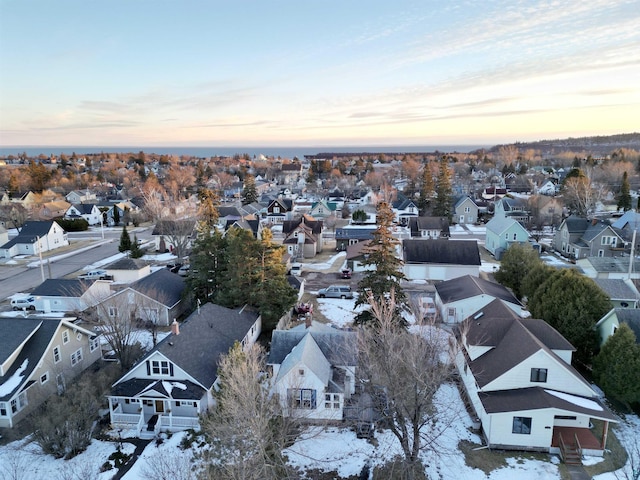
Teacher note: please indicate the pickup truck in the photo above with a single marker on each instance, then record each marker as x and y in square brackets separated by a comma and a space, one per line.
[96, 275]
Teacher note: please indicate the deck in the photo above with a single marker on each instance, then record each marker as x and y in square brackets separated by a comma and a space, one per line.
[588, 441]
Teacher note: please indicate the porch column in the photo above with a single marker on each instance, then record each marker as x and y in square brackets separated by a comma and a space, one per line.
[605, 431]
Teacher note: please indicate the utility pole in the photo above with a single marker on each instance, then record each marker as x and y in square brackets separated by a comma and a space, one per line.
[40, 254]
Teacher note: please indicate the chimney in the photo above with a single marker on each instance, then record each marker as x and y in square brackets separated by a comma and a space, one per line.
[175, 327]
[594, 221]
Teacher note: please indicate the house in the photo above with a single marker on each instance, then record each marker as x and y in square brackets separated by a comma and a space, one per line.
[70, 295]
[87, 211]
[174, 236]
[4, 235]
[356, 257]
[303, 236]
[127, 270]
[352, 234]
[404, 209]
[465, 211]
[579, 238]
[437, 260]
[519, 380]
[230, 213]
[514, 208]
[53, 209]
[38, 357]
[172, 385]
[457, 298]
[502, 232]
[621, 291]
[80, 196]
[545, 210]
[28, 200]
[611, 321]
[628, 223]
[493, 193]
[249, 223]
[156, 298]
[323, 209]
[121, 211]
[35, 237]
[429, 227]
[289, 173]
[279, 210]
[314, 369]
[610, 267]
[549, 188]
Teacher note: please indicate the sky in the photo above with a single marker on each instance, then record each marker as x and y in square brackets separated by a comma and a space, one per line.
[297, 73]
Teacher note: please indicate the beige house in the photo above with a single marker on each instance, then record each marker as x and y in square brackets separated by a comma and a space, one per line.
[38, 357]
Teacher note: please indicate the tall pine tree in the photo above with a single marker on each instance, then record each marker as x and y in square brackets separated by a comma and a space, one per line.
[249, 191]
[125, 240]
[624, 197]
[444, 193]
[381, 253]
[427, 189]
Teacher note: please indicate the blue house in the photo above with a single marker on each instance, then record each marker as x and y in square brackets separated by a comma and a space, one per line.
[502, 232]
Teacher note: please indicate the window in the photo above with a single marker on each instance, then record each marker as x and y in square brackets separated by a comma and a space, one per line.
[79, 336]
[94, 344]
[22, 400]
[56, 354]
[76, 356]
[65, 337]
[467, 209]
[521, 425]
[515, 236]
[3, 409]
[331, 400]
[113, 311]
[538, 374]
[14, 405]
[44, 378]
[301, 371]
[564, 417]
[160, 367]
[303, 398]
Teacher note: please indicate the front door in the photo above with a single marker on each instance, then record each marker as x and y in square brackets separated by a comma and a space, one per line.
[159, 406]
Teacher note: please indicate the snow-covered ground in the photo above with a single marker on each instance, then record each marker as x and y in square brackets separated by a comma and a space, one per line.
[327, 449]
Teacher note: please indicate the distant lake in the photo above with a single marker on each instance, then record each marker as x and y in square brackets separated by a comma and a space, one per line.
[206, 152]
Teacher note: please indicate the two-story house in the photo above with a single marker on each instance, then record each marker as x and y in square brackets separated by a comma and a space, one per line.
[429, 227]
[501, 233]
[172, 385]
[404, 209]
[514, 208]
[38, 357]
[579, 238]
[465, 211]
[87, 211]
[519, 380]
[35, 237]
[303, 236]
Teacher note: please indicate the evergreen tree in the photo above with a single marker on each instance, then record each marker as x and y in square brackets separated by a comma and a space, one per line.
[208, 261]
[249, 192]
[624, 197]
[13, 187]
[125, 240]
[208, 211]
[515, 266]
[572, 304]
[136, 251]
[617, 366]
[444, 193]
[427, 188]
[380, 253]
[535, 277]
[116, 215]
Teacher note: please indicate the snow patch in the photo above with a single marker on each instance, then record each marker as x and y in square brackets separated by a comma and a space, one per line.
[10, 384]
[579, 401]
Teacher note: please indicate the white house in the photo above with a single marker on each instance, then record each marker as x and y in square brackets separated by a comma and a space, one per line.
[171, 386]
[457, 298]
[87, 211]
[519, 380]
[127, 270]
[440, 259]
[313, 370]
[70, 295]
[36, 237]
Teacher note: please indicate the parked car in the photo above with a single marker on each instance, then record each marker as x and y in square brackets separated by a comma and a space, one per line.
[345, 273]
[174, 267]
[296, 269]
[95, 275]
[24, 303]
[183, 271]
[336, 291]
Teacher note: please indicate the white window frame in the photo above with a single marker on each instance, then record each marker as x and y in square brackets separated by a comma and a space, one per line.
[76, 357]
[45, 375]
[57, 354]
[113, 311]
[65, 337]
[94, 344]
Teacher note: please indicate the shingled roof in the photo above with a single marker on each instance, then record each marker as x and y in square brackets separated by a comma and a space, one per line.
[458, 252]
[469, 286]
[162, 286]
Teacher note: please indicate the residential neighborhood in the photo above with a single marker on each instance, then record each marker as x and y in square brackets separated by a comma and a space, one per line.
[166, 289]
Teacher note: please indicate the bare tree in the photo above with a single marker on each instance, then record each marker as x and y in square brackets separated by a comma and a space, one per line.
[169, 465]
[14, 464]
[247, 431]
[402, 371]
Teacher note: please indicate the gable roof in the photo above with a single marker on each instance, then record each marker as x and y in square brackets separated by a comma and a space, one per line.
[63, 287]
[304, 220]
[84, 208]
[630, 316]
[172, 227]
[616, 288]
[162, 286]
[126, 263]
[429, 223]
[308, 352]
[576, 224]
[469, 286]
[337, 346]
[464, 199]
[452, 252]
[30, 232]
[205, 335]
[499, 225]
[596, 228]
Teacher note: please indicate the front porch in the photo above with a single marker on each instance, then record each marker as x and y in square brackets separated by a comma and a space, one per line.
[150, 423]
[571, 443]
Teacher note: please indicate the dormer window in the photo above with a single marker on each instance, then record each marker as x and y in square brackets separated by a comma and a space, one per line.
[539, 375]
[301, 372]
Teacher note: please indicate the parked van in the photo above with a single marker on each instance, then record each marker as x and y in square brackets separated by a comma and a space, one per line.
[24, 303]
[336, 291]
[296, 269]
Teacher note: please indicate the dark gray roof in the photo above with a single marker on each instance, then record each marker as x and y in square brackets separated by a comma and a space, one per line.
[594, 229]
[488, 325]
[339, 347]
[616, 288]
[174, 227]
[205, 335]
[232, 211]
[126, 263]
[84, 208]
[62, 287]
[576, 224]
[463, 199]
[360, 233]
[37, 333]
[469, 286]
[416, 224]
[30, 232]
[536, 398]
[458, 252]
[137, 386]
[612, 264]
[630, 316]
[162, 286]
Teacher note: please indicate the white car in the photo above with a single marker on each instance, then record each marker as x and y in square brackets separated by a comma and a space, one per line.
[23, 303]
